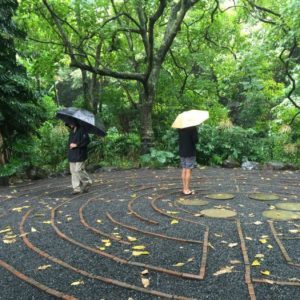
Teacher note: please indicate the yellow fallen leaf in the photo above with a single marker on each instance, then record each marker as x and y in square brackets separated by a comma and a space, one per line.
[172, 212]
[265, 272]
[270, 246]
[258, 223]
[105, 241]
[131, 239]
[174, 222]
[107, 244]
[249, 238]
[179, 264]
[145, 282]
[235, 262]
[44, 267]
[19, 209]
[263, 241]
[33, 229]
[259, 255]
[77, 282]
[291, 231]
[145, 272]
[191, 259]
[101, 248]
[255, 263]
[138, 247]
[46, 222]
[10, 236]
[264, 236]
[231, 245]
[8, 229]
[224, 270]
[133, 196]
[9, 241]
[99, 221]
[138, 253]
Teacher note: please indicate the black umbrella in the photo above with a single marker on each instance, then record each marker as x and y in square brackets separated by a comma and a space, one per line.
[85, 118]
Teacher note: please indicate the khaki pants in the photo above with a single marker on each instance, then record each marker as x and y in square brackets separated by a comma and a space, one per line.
[79, 175]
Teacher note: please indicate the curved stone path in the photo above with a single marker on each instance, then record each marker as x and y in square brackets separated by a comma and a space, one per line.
[134, 236]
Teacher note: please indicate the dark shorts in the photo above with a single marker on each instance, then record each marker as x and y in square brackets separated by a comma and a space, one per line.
[188, 162]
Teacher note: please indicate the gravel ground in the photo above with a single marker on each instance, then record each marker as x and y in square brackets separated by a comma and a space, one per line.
[82, 246]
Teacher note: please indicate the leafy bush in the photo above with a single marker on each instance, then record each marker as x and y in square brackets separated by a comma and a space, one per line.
[218, 144]
[116, 149]
[157, 158]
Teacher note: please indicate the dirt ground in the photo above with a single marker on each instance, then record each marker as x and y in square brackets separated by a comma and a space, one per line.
[135, 236]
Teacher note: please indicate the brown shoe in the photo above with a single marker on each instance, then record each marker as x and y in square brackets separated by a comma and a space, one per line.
[75, 192]
[86, 187]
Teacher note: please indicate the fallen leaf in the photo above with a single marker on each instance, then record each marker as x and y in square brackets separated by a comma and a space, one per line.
[46, 222]
[265, 272]
[264, 236]
[258, 223]
[174, 222]
[145, 282]
[249, 238]
[107, 244]
[145, 272]
[19, 209]
[231, 245]
[77, 282]
[255, 263]
[179, 264]
[133, 196]
[172, 212]
[291, 231]
[270, 246]
[198, 215]
[99, 221]
[138, 247]
[9, 241]
[138, 253]
[235, 262]
[44, 267]
[8, 229]
[227, 269]
[191, 259]
[218, 235]
[105, 241]
[258, 255]
[263, 241]
[33, 229]
[131, 239]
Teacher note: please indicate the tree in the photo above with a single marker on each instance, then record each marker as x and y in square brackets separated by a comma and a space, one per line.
[20, 112]
[142, 30]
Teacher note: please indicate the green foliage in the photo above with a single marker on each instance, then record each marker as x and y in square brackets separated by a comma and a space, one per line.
[20, 107]
[115, 149]
[218, 144]
[50, 147]
[157, 158]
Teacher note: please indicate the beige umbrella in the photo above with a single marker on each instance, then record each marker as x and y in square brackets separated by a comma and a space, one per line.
[190, 118]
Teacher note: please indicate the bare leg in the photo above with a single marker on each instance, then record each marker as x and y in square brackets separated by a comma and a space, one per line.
[188, 173]
[186, 178]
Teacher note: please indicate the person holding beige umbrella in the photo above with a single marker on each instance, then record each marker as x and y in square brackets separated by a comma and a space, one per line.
[186, 123]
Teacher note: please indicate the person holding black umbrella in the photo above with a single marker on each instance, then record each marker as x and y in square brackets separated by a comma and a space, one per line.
[77, 155]
[81, 122]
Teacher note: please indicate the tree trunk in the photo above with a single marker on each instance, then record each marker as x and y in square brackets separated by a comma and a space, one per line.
[4, 181]
[146, 131]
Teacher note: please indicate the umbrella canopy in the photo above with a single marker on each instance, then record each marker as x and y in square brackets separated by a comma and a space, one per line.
[84, 117]
[190, 118]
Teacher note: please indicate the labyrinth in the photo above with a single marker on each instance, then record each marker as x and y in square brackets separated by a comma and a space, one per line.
[135, 236]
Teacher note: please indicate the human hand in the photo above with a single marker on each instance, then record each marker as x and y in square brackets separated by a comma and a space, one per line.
[73, 145]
